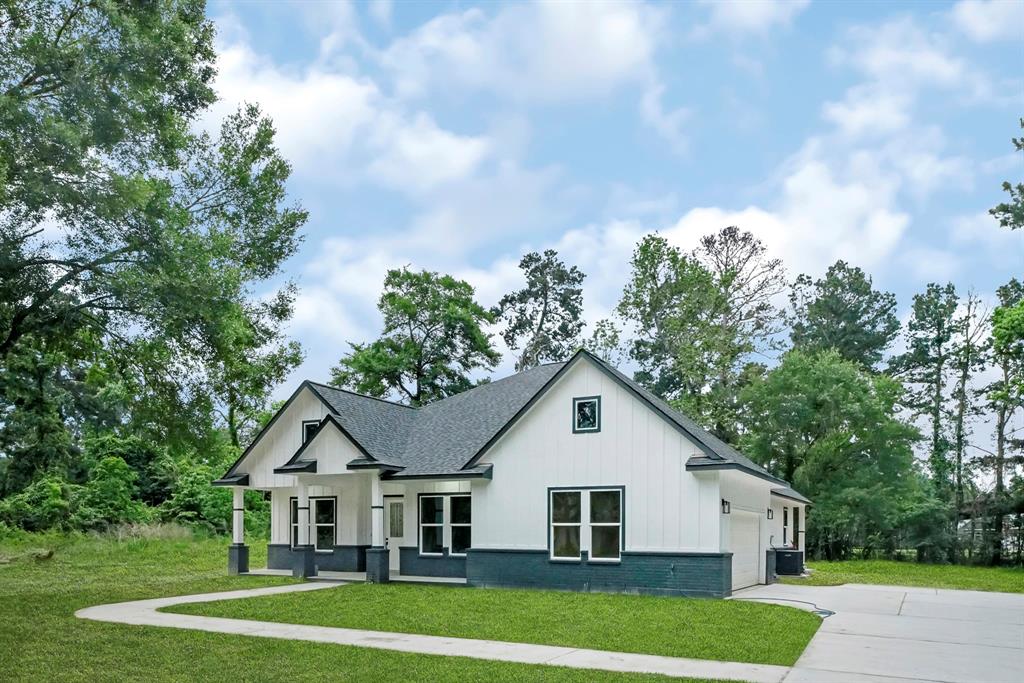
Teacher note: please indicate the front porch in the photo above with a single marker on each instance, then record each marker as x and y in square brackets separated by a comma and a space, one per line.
[360, 577]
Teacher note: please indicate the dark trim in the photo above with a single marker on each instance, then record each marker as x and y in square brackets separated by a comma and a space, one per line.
[802, 501]
[330, 417]
[238, 509]
[310, 422]
[583, 553]
[305, 384]
[376, 507]
[365, 464]
[576, 399]
[296, 467]
[235, 480]
[731, 465]
[486, 472]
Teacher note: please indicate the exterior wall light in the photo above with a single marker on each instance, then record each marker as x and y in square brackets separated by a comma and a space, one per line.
[725, 506]
[771, 513]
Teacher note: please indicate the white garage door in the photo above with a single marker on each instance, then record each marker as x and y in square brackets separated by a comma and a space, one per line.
[744, 543]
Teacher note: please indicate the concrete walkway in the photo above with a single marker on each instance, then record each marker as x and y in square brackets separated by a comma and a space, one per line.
[144, 613]
[891, 634]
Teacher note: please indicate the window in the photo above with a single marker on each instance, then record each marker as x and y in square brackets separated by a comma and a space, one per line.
[309, 429]
[605, 524]
[396, 516]
[565, 524]
[601, 534]
[785, 526]
[432, 525]
[586, 414]
[461, 520]
[323, 522]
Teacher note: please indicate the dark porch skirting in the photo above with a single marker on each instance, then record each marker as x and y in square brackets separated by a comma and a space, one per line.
[654, 573]
[411, 563]
[344, 558]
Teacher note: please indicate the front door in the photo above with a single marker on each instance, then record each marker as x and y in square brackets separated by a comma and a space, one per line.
[394, 529]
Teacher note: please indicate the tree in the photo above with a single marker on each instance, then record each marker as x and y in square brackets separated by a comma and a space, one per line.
[1005, 397]
[700, 319]
[967, 359]
[1011, 214]
[130, 245]
[843, 311]
[832, 428]
[605, 341]
[432, 340]
[924, 366]
[543, 319]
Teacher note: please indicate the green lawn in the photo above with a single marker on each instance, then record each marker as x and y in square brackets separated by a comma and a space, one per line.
[1000, 579]
[678, 627]
[41, 640]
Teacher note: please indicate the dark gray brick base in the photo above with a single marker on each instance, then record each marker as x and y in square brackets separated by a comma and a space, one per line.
[344, 558]
[377, 565]
[769, 566]
[303, 561]
[690, 574]
[238, 559]
[414, 564]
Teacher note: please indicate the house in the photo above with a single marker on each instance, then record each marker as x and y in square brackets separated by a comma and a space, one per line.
[568, 475]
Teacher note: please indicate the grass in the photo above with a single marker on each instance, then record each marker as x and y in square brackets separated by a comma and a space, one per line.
[888, 572]
[40, 638]
[677, 627]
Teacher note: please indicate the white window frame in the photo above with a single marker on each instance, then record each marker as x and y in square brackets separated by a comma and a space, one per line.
[422, 525]
[585, 525]
[552, 523]
[306, 424]
[453, 525]
[592, 524]
[293, 523]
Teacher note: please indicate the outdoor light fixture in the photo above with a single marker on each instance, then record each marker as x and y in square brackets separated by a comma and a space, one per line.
[725, 506]
[771, 513]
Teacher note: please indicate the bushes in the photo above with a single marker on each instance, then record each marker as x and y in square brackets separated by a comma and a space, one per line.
[43, 504]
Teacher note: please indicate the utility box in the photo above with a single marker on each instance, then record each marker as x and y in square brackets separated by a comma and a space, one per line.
[789, 562]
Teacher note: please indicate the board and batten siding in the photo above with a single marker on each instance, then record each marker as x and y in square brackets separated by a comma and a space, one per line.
[750, 494]
[353, 511]
[281, 441]
[666, 507]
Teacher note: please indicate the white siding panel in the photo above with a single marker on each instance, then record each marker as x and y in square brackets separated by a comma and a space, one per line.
[280, 443]
[635, 448]
[353, 512]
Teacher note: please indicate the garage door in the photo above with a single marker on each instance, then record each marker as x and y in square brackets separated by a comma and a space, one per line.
[745, 545]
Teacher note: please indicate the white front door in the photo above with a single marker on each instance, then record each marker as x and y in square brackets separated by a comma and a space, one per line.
[394, 529]
[745, 544]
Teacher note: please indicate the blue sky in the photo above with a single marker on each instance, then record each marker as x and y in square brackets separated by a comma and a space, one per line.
[456, 137]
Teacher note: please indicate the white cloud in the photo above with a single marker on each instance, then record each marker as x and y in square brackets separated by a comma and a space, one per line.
[741, 17]
[380, 10]
[867, 109]
[989, 20]
[668, 124]
[548, 51]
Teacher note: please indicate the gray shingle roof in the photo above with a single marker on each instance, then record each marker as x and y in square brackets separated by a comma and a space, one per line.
[448, 436]
[440, 437]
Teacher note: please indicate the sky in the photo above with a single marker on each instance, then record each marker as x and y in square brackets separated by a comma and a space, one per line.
[457, 137]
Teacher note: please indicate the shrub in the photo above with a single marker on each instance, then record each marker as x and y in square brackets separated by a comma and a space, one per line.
[108, 497]
[196, 501]
[43, 504]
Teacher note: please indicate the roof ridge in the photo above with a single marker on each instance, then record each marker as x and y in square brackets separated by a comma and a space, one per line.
[356, 393]
[482, 385]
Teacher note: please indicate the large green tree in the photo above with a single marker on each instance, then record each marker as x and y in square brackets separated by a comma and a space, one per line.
[432, 340]
[843, 311]
[132, 248]
[925, 368]
[833, 429]
[543, 319]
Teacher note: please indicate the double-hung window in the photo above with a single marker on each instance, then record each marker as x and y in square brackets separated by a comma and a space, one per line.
[432, 525]
[323, 522]
[461, 524]
[587, 520]
[446, 522]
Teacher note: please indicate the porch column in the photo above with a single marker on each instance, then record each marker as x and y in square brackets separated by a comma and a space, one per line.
[377, 557]
[238, 552]
[303, 557]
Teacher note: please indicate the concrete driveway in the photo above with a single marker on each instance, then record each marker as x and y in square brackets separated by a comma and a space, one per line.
[890, 634]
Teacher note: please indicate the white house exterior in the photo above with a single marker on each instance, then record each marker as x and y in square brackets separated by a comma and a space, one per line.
[568, 476]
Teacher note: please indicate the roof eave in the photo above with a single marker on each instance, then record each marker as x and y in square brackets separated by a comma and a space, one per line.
[730, 465]
[297, 467]
[233, 480]
[479, 472]
[798, 498]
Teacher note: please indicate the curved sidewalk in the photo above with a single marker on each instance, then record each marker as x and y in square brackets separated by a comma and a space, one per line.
[144, 613]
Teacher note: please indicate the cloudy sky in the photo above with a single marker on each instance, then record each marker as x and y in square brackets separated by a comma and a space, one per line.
[456, 137]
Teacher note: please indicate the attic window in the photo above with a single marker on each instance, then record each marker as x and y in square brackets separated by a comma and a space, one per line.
[309, 429]
[586, 414]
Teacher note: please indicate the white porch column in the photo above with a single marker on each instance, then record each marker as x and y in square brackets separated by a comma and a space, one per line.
[376, 512]
[303, 515]
[238, 516]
